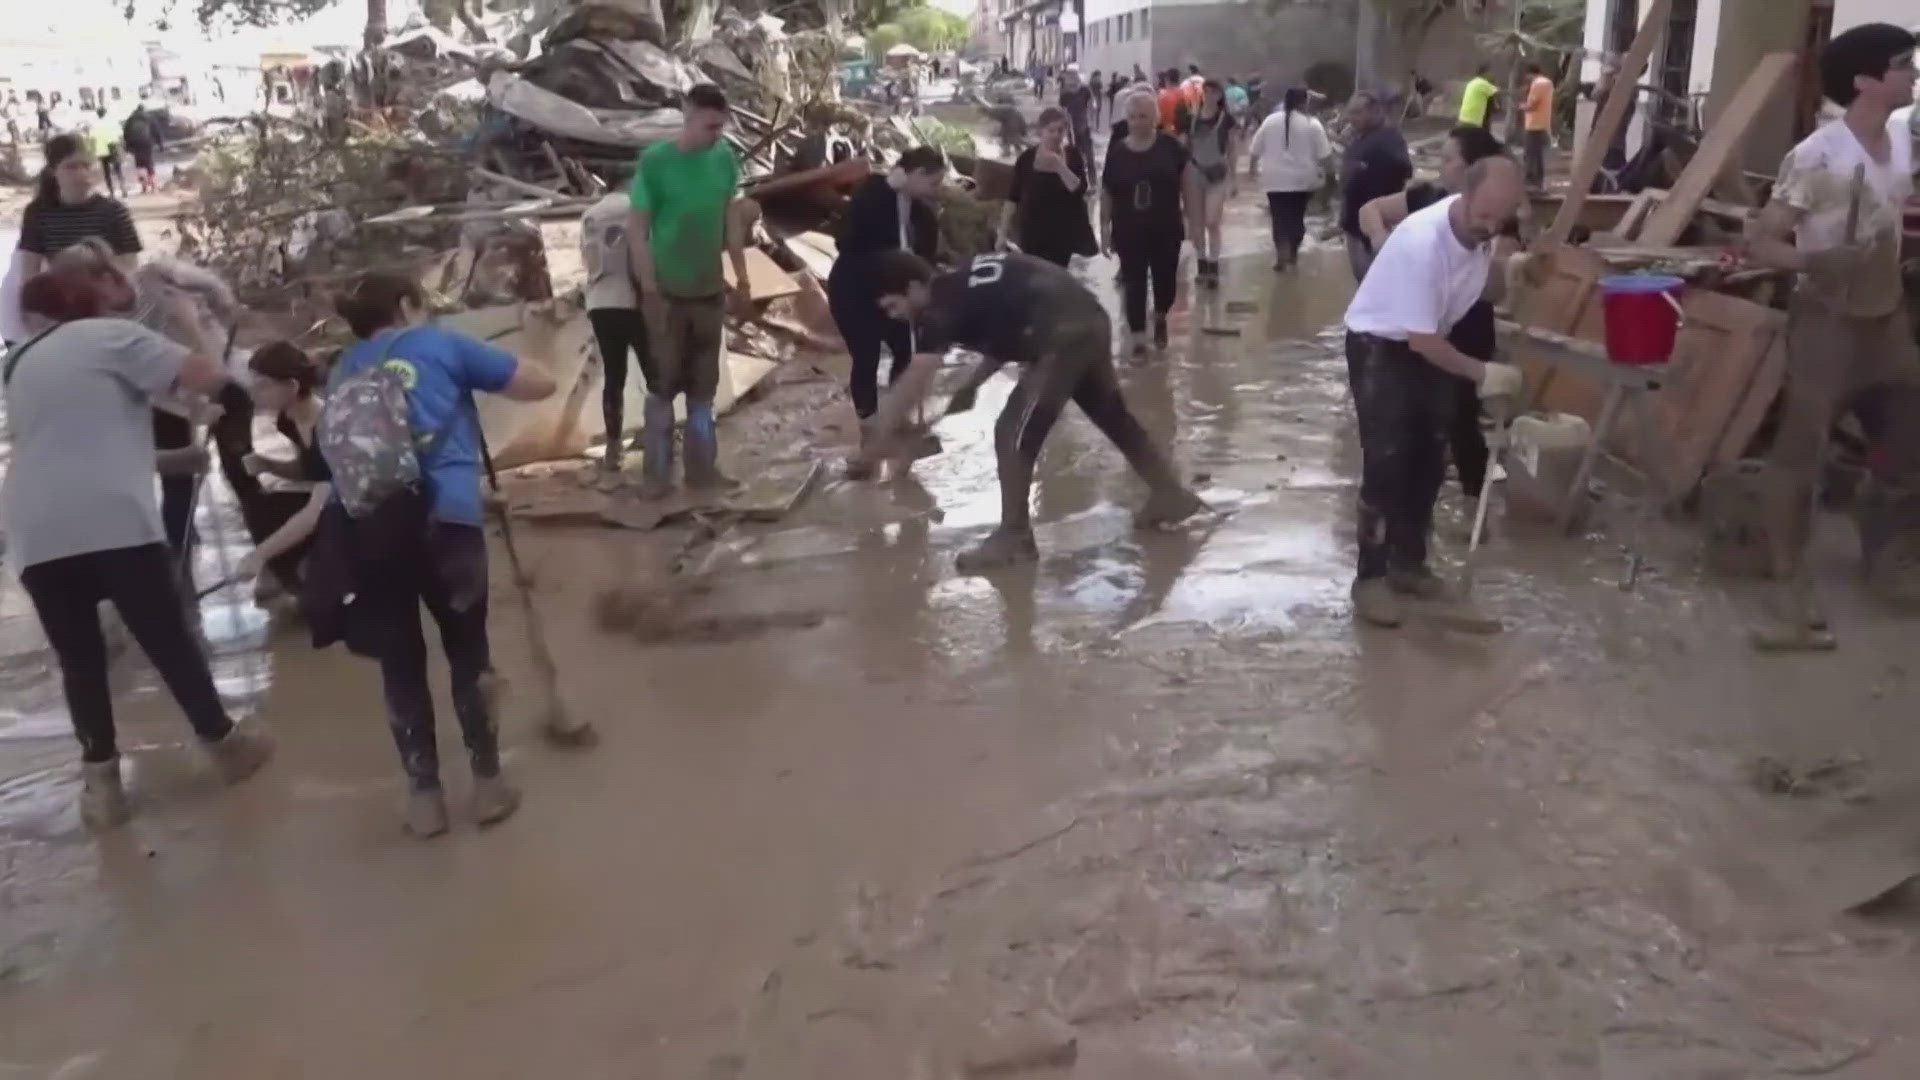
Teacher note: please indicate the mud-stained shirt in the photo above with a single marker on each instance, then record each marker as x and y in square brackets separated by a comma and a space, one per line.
[1007, 306]
[1817, 180]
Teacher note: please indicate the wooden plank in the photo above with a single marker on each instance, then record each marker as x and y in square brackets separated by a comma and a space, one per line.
[1752, 410]
[1716, 150]
[1722, 346]
[1636, 214]
[765, 279]
[1559, 305]
[1613, 113]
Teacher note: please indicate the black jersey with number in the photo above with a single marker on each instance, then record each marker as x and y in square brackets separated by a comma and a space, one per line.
[1004, 306]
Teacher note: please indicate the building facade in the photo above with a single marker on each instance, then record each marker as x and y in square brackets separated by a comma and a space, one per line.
[1242, 38]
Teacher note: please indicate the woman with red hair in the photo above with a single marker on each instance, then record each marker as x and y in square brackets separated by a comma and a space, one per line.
[81, 520]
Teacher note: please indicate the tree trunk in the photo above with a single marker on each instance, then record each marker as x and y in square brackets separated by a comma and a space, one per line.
[470, 18]
[376, 23]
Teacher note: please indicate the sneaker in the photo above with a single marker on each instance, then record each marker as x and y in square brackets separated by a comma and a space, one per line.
[241, 752]
[1375, 604]
[1793, 620]
[494, 800]
[426, 813]
[103, 802]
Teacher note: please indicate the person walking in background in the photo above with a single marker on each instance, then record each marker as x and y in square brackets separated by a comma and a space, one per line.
[1213, 151]
[1539, 124]
[1097, 88]
[141, 138]
[446, 570]
[1477, 98]
[104, 136]
[1114, 86]
[1046, 209]
[1289, 155]
[1237, 101]
[1172, 103]
[682, 222]
[613, 310]
[82, 524]
[886, 213]
[1376, 164]
[1142, 219]
[1077, 99]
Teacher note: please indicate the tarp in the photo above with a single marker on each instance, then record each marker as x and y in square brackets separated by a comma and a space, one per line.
[557, 115]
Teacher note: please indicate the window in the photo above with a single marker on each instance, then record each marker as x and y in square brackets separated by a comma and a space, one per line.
[1143, 21]
[1126, 27]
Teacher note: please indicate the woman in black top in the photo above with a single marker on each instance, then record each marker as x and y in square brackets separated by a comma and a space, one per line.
[1141, 219]
[887, 212]
[1046, 210]
[281, 523]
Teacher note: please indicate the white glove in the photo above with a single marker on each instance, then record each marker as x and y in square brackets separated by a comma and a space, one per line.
[1500, 380]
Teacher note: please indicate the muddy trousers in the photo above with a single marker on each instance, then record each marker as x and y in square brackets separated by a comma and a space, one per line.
[1076, 366]
[262, 511]
[1147, 254]
[172, 432]
[66, 595]
[1466, 443]
[867, 330]
[453, 587]
[1406, 406]
[1838, 364]
[1288, 209]
[619, 332]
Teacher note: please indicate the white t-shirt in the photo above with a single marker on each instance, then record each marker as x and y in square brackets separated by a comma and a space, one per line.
[1423, 281]
[1817, 179]
[603, 247]
[1290, 148]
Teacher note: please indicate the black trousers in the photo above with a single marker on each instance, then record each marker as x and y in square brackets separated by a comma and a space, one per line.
[172, 432]
[1075, 364]
[1406, 408]
[453, 586]
[1536, 157]
[619, 331]
[866, 329]
[1288, 209]
[1147, 254]
[1466, 442]
[262, 511]
[66, 594]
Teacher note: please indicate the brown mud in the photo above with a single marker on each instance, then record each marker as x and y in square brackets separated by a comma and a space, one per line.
[1154, 807]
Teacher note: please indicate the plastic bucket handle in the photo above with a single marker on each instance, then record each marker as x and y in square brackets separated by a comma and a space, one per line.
[1663, 285]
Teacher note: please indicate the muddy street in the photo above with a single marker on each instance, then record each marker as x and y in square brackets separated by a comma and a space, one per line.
[1154, 808]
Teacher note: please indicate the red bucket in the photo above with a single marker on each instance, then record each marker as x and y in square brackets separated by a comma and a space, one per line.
[1643, 317]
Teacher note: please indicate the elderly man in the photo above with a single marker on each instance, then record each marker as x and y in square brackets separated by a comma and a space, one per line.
[1428, 275]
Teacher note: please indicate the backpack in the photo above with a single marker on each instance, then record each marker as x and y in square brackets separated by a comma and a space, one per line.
[379, 473]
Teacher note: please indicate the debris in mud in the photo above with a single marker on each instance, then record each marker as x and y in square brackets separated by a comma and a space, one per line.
[1023, 1046]
[656, 615]
[1842, 778]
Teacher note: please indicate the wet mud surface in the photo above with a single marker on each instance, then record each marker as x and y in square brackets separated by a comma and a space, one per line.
[1154, 807]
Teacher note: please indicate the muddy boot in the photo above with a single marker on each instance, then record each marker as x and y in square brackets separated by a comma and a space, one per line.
[1002, 548]
[426, 814]
[1168, 507]
[703, 450]
[241, 753]
[103, 802]
[1160, 334]
[494, 800]
[1375, 604]
[656, 448]
[1791, 620]
[612, 459]
[1420, 583]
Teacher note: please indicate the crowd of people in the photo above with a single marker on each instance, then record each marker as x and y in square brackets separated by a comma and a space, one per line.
[120, 362]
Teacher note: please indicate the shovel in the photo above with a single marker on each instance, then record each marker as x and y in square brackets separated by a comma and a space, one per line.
[559, 726]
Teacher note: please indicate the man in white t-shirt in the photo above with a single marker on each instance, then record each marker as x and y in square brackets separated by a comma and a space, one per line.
[1433, 268]
[1835, 218]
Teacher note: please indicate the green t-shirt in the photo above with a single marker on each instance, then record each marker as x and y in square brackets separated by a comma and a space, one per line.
[686, 195]
[1473, 100]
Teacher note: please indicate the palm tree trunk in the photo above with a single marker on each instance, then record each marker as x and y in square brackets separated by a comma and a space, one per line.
[376, 23]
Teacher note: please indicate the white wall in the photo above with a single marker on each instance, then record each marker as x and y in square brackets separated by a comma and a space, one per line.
[1851, 13]
[1102, 51]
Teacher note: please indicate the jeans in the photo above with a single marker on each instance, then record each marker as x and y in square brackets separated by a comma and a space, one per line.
[1147, 254]
[1535, 143]
[685, 341]
[453, 586]
[866, 329]
[1288, 209]
[66, 594]
[619, 331]
[1406, 406]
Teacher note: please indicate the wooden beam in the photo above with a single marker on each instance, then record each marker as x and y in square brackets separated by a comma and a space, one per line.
[1613, 113]
[1717, 148]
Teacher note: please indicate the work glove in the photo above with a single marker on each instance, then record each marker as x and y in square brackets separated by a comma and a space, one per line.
[1500, 381]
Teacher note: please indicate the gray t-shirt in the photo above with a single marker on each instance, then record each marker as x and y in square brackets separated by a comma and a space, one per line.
[79, 410]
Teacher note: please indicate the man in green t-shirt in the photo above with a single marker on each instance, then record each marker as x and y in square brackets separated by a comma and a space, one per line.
[683, 192]
[1476, 100]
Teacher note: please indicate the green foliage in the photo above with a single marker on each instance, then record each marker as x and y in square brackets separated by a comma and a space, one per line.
[949, 138]
[930, 29]
[884, 37]
[211, 13]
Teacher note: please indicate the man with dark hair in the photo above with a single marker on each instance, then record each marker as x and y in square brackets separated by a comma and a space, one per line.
[1836, 219]
[683, 191]
[1076, 98]
[1431, 271]
[1376, 164]
[1015, 309]
[1538, 115]
[1477, 98]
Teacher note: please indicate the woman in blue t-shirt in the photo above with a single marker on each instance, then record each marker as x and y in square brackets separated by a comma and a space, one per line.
[441, 370]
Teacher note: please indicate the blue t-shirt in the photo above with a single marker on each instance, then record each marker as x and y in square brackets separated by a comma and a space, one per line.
[442, 370]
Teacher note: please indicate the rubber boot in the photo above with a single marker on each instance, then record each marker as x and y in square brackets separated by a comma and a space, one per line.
[1375, 604]
[656, 446]
[241, 753]
[426, 814]
[103, 802]
[494, 800]
[1421, 583]
[1002, 548]
[703, 449]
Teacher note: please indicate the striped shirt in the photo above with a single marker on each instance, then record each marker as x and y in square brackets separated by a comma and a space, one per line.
[48, 230]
